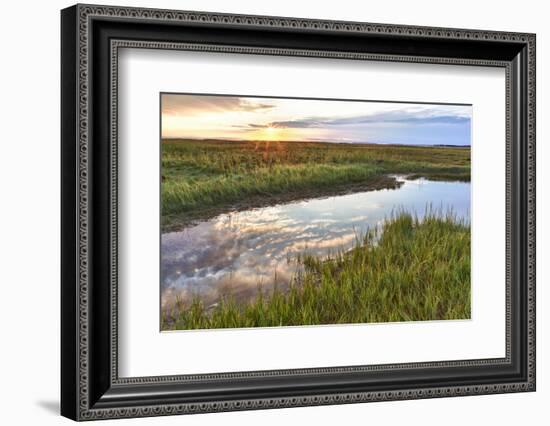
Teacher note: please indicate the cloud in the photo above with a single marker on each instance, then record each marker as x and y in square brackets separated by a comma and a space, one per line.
[413, 116]
[175, 104]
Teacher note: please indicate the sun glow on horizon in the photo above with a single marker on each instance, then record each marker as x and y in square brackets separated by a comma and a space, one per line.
[271, 133]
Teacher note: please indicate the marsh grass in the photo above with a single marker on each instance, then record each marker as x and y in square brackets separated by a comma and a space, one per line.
[411, 269]
[204, 178]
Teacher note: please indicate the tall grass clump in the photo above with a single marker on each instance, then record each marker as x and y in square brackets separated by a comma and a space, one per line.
[412, 269]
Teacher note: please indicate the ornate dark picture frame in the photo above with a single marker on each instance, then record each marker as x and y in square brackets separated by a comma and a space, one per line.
[90, 385]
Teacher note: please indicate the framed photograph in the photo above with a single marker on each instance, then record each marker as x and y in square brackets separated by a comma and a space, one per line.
[263, 212]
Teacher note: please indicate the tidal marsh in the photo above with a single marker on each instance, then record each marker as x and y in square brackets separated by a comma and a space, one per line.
[414, 269]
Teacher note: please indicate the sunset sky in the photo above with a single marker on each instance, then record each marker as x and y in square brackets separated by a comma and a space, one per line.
[252, 118]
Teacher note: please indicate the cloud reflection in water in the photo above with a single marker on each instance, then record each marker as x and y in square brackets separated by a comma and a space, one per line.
[239, 251]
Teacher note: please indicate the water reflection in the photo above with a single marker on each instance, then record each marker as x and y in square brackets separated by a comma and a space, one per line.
[239, 251]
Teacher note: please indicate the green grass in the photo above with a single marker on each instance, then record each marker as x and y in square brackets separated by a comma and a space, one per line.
[205, 178]
[413, 270]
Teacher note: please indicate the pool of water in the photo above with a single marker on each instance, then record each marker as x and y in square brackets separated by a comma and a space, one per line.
[236, 252]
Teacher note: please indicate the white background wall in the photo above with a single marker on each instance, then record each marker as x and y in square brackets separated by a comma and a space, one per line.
[29, 212]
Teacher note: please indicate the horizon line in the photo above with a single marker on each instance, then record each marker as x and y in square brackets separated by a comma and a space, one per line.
[315, 141]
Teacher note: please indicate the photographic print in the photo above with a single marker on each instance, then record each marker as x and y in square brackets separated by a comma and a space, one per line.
[292, 212]
[249, 202]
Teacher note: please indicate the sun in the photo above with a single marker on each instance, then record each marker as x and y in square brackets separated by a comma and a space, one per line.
[270, 133]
